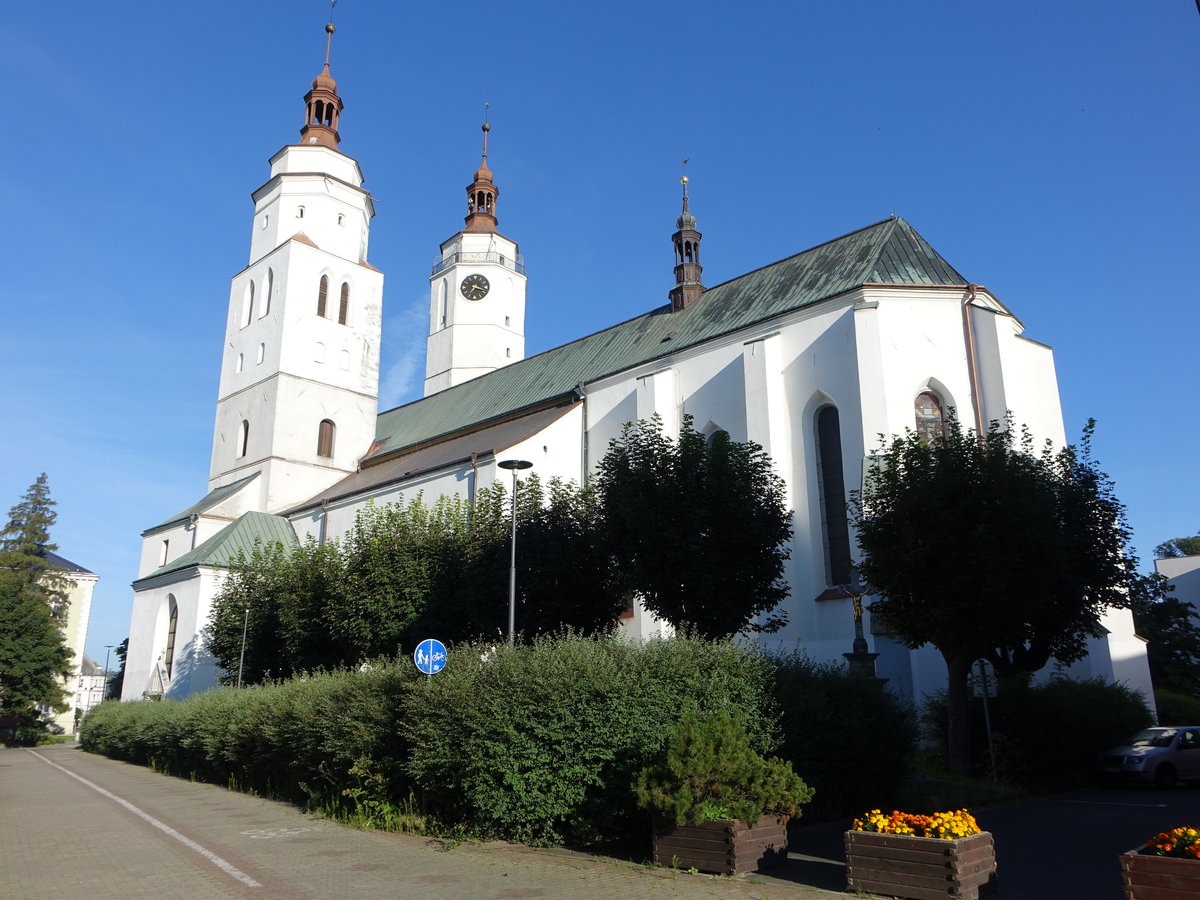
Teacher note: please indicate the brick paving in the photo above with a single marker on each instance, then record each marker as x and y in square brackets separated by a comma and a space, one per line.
[60, 837]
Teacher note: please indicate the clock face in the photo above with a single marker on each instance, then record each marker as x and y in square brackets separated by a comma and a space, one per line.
[474, 287]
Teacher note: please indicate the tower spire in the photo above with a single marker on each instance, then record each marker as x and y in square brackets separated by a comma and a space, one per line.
[687, 254]
[322, 105]
[482, 192]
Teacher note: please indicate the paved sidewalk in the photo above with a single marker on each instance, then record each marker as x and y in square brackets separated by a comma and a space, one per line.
[62, 837]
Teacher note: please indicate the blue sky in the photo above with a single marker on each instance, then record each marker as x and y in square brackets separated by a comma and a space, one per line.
[1047, 150]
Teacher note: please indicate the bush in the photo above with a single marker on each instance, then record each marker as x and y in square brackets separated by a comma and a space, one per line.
[709, 771]
[329, 740]
[847, 735]
[1049, 735]
[540, 743]
[1176, 709]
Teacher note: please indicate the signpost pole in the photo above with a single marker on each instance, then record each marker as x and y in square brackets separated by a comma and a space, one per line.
[987, 716]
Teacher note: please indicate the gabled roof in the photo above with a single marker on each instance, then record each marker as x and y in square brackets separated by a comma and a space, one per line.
[237, 537]
[62, 564]
[888, 252]
[213, 497]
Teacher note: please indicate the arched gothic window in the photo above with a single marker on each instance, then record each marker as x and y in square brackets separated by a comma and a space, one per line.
[931, 418]
[322, 295]
[243, 439]
[172, 622]
[344, 304]
[325, 435]
[834, 522]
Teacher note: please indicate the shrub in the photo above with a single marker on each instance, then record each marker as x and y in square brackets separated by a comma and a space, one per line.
[330, 740]
[709, 771]
[1176, 709]
[540, 743]
[844, 733]
[1049, 735]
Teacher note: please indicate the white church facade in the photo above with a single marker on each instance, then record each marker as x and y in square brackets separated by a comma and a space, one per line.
[813, 357]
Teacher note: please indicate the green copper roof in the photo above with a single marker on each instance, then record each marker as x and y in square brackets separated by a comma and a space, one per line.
[210, 500]
[888, 252]
[240, 536]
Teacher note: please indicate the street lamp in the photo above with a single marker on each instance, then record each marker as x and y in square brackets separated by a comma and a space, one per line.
[513, 465]
[104, 690]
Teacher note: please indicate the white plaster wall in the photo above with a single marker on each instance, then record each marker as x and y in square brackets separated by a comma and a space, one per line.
[193, 670]
[328, 185]
[478, 336]
[179, 542]
[554, 451]
[1184, 574]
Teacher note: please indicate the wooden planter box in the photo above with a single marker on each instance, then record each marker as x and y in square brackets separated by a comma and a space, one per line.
[722, 846]
[1159, 877]
[898, 865]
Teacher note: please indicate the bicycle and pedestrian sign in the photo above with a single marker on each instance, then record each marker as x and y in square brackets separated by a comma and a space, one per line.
[430, 656]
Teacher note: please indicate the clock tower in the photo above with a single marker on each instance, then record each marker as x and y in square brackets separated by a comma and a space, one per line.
[476, 294]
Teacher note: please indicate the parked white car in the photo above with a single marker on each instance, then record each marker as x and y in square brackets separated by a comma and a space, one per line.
[1164, 755]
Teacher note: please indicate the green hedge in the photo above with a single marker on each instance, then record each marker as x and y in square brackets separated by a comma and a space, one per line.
[1176, 709]
[845, 734]
[299, 740]
[537, 743]
[1049, 735]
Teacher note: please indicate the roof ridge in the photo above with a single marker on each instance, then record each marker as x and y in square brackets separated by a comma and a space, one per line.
[806, 250]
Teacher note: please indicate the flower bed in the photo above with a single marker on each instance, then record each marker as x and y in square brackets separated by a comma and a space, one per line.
[944, 855]
[1167, 867]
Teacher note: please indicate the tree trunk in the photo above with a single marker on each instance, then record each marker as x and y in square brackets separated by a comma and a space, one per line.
[958, 715]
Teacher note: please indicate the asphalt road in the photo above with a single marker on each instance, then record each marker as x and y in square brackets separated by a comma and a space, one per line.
[73, 824]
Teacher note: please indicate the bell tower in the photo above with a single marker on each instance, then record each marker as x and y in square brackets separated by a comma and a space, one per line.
[687, 256]
[476, 293]
[299, 384]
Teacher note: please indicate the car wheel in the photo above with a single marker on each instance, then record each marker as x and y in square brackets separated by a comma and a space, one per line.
[1165, 776]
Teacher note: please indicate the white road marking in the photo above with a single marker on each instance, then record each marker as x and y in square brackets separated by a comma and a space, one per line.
[1114, 803]
[161, 826]
[274, 832]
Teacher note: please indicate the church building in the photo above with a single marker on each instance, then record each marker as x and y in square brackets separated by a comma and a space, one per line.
[812, 357]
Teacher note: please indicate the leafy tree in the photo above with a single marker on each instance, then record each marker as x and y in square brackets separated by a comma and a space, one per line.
[406, 571]
[698, 529]
[34, 661]
[985, 549]
[279, 599]
[1171, 628]
[1180, 546]
[564, 576]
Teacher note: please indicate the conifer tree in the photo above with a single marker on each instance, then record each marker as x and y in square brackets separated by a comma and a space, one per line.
[33, 657]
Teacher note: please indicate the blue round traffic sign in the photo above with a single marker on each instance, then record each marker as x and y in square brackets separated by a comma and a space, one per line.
[430, 656]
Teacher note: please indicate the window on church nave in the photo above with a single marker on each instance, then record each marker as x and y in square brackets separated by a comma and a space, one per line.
[262, 353]
[931, 419]
[243, 439]
[344, 304]
[325, 435]
[322, 295]
[834, 522]
[172, 623]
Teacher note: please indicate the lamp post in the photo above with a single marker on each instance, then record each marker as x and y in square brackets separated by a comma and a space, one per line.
[104, 690]
[513, 465]
[242, 658]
